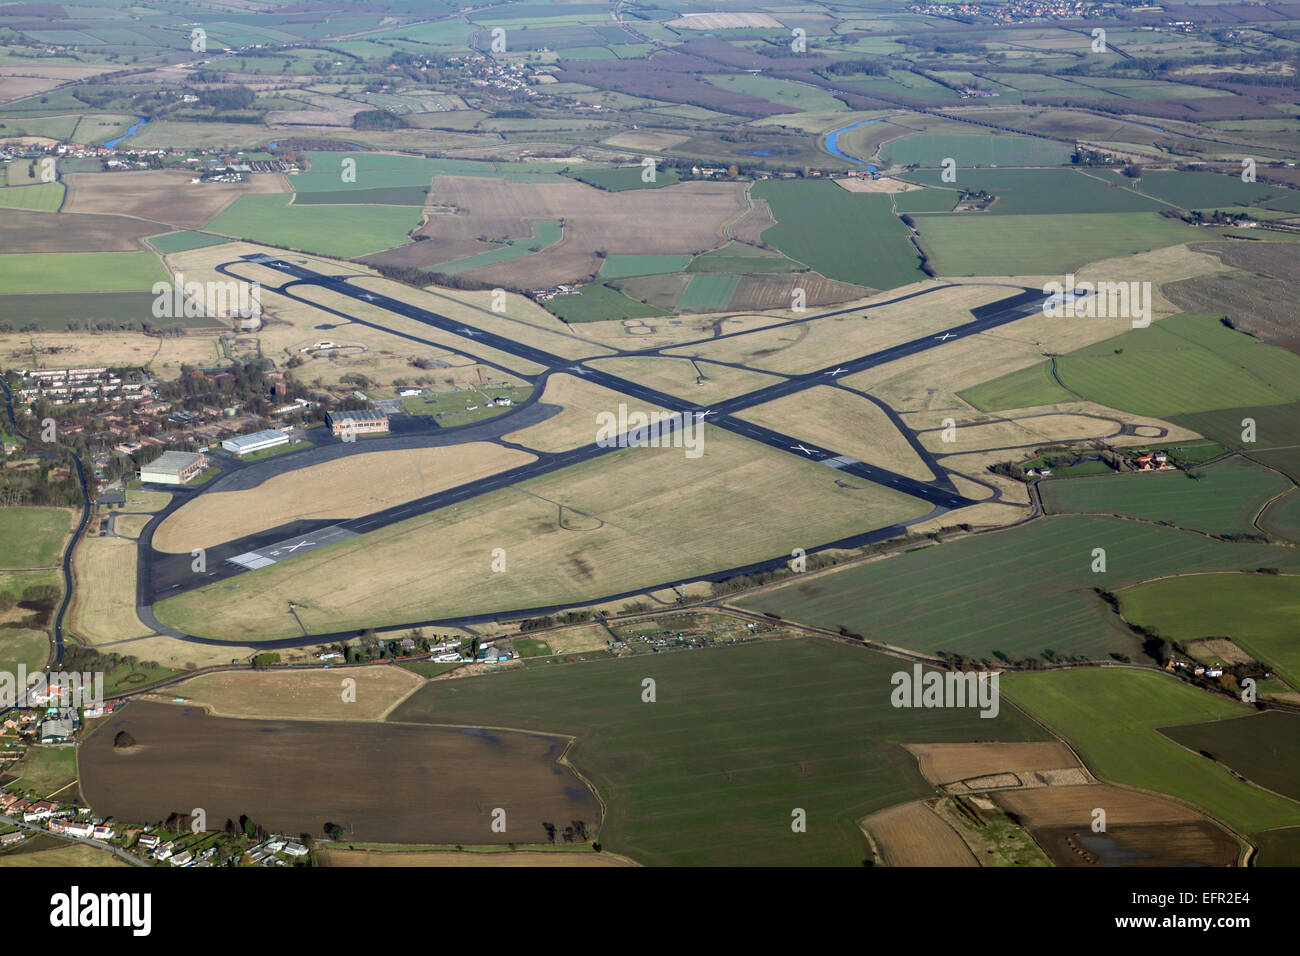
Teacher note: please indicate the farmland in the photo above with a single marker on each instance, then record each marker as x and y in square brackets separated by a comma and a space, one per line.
[663, 781]
[1225, 498]
[343, 231]
[33, 537]
[1256, 610]
[296, 776]
[1264, 748]
[821, 227]
[1044, 577]
[1111, 717]
[79, 272]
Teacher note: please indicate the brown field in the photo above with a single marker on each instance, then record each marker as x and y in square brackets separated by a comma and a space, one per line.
[300, 694]
[336, 856]
[686, 218]
[391, 783]
[1261, 303]
[679, 376]
[103, 605]
[64, 856]
[346, 487]
[946, 763]
[23, 231]
[912, 834]
[1137, 844]
[777, 291]
[142, 499]
[163, 356]
[647, 141]
[1073, 806]
[1218, 649]
[161, 195]
[751, 226]
[845, 422]
[576, 425]
[882, 185]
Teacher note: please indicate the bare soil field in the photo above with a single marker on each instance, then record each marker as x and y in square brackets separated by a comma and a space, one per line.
[1137, 844]
[1258, 298]
[1073, 806]
[390, 783]
[301, 694]
[760, 292]
[751, 226]
[724, 21]
[686, 218]
[161, 195]
[946, 763]
[913, 835]
[347, 487]
[336, 856]
[648, 141]
[1218, 649]
[24, 231]
[848, 423]
[882, 185]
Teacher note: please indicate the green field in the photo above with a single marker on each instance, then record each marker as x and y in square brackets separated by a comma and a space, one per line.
[939, 598]
[1181, 365]
[1279, 847]
[622, 266]
[23, 646]
[926, 200]
[931, 149]
[741, 259]
[1224, 500]
[1258, 611]
[1264, 748]
[45, 197]
[531, 647]
[373, 171]
[545, 233]
[597, 303]
[1042, 192]
[125, 310]
[1111, 717]
[378, 196]
[343, 231]
[983, 244]
[708, 292]
[737, 738]
[33, 537]
[784, 92]
[851, 237]
[46, 770]
[1282, 517]
[184, 241]
[1207, 190]
[23, 272]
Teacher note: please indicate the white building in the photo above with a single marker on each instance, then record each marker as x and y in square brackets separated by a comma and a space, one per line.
[257, 441]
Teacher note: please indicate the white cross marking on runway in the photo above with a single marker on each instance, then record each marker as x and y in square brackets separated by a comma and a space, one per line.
[945, 337]
[301, 544]
[836, 371]
[806, 451]
[470, 332]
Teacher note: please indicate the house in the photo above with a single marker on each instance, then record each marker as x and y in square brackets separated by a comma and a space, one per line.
[182, 859]
[57, 730]
[102, 832]
[295, 849]
[9, 839]
[148, 841]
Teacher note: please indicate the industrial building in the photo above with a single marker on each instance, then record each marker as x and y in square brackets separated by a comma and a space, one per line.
[257, 441]
[174, 468]
[368, 421]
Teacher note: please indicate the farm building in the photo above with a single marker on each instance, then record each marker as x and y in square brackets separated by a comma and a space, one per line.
[366, 421]
[257, 441]
[174, 468]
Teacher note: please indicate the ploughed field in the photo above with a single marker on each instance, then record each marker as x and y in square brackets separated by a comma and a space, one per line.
[391, 783]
